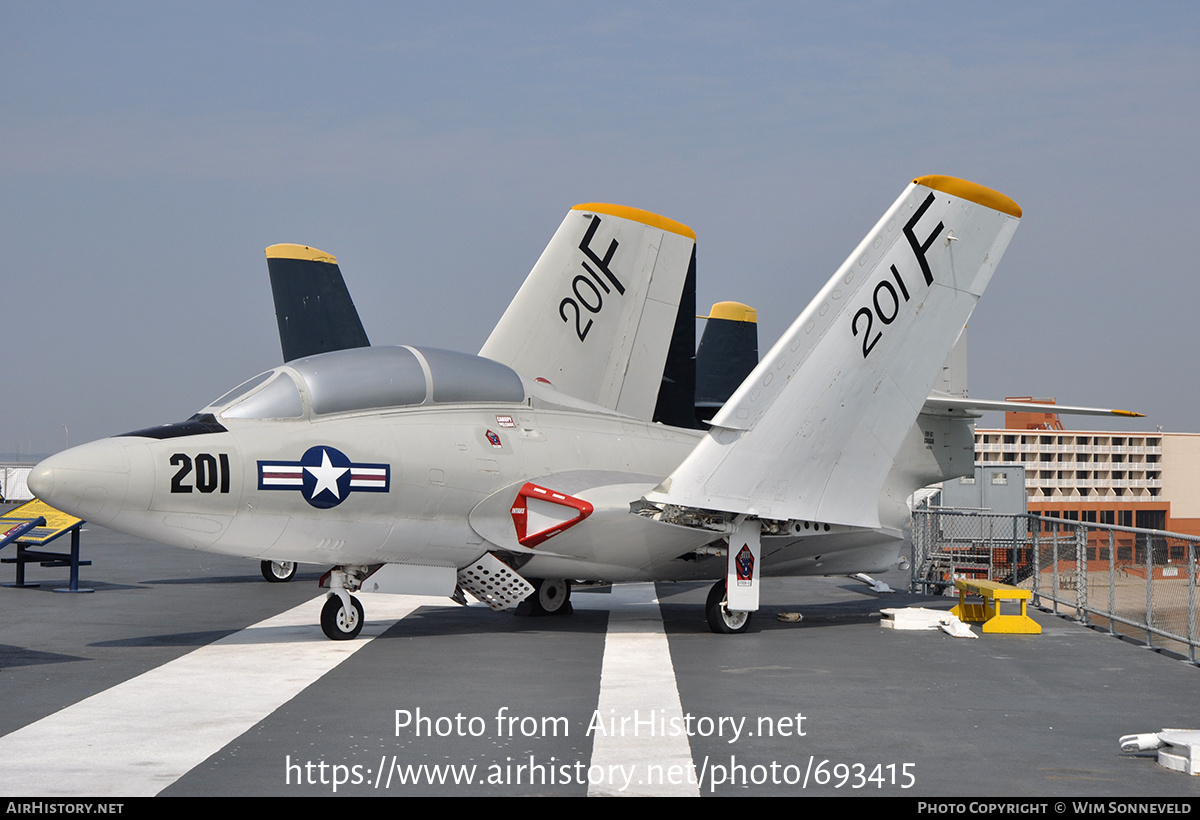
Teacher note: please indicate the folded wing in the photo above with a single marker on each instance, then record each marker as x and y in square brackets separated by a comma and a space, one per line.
[812, 433]
[596, 314]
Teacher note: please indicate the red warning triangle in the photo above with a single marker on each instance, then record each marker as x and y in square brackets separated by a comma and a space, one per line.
[540, 514]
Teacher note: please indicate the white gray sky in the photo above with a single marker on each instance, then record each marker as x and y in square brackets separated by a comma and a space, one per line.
[150, 151]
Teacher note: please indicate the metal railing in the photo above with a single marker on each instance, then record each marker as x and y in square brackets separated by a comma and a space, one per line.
[1139, 583]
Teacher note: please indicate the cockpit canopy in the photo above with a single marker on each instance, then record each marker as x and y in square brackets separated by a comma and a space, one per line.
[370, 378]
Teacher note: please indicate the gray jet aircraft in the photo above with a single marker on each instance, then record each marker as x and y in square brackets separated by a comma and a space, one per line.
[544, 459]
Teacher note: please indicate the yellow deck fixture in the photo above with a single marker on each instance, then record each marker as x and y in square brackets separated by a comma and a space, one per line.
[988, 612]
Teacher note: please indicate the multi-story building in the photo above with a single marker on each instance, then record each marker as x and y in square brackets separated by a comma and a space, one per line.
[1147, 480]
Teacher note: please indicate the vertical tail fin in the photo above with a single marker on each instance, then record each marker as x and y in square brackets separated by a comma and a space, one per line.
[813, 431]
[676, 406]
[312, 305]
[727, 354]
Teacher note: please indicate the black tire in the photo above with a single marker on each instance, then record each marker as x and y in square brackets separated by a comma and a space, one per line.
[278, 572]
[336, 623]
[721, 620]
[550, 596]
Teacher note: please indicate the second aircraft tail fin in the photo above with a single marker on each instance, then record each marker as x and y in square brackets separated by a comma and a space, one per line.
[727, 354]
[312, 304]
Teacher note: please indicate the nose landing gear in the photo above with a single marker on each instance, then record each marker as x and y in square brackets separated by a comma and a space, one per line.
[342, 616]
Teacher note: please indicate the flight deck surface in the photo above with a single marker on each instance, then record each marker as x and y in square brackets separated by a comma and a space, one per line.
[185, 674]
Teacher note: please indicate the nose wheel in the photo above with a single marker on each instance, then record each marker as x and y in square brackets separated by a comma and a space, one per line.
[340, 622]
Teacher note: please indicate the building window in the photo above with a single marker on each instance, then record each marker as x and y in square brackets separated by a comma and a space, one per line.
[1152, 519]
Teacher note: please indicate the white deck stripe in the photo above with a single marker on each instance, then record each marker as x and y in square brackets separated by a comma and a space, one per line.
[140, 736]
[638, 678]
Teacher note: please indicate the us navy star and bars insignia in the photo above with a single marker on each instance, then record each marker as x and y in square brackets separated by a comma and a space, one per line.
[324, 476]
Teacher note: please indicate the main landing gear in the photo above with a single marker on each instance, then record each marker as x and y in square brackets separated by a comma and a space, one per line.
[721, 620]
[550, 596]
[278, 571]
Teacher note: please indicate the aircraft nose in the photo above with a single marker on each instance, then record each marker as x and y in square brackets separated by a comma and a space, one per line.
[41, 480]
[89, 482]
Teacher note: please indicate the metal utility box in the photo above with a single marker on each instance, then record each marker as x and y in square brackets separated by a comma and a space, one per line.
[998, 488]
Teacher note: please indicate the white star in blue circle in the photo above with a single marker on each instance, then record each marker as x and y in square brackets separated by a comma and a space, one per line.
[326, 476]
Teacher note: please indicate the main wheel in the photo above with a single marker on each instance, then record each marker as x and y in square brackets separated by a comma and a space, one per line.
[278, 571]
[720, 619]
[551, 596]
[338, 623]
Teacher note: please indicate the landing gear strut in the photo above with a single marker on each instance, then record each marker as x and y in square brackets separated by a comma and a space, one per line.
[278, 571]
[551, 596]
[721, 620]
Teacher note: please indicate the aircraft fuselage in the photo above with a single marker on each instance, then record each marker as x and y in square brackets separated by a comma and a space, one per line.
[432, 486]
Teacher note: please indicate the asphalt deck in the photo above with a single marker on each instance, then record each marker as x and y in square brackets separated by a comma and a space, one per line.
[171, 678]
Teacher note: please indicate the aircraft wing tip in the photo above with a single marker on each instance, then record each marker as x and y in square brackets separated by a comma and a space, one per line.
[972, 191]
[638, 215]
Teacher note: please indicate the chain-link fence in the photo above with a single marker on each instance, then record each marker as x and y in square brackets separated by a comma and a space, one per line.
[12, 482]
[1135, 582]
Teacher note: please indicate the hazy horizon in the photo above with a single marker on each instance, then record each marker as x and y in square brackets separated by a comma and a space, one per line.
[152, 151]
